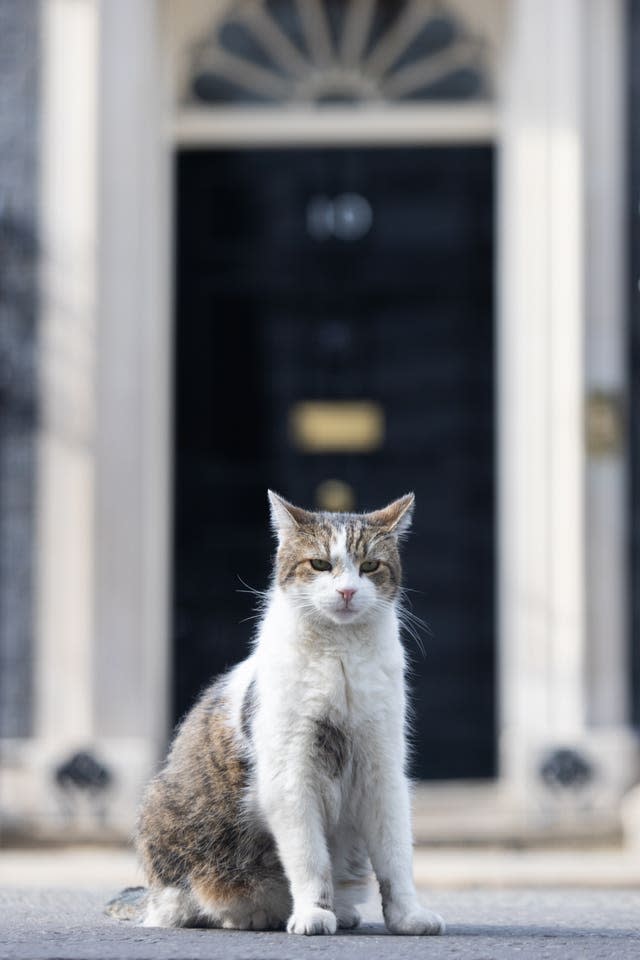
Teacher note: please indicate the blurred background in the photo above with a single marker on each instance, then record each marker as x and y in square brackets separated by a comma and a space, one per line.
[343, 249]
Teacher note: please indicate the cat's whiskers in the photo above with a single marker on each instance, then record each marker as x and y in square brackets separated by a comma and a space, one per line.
[261, 596]
[410, 623]
[253, 616]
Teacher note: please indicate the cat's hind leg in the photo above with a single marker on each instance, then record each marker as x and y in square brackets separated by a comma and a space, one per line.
[351, 881]
[173, 907]
[345, 905]
[265, 908]
[249, 916]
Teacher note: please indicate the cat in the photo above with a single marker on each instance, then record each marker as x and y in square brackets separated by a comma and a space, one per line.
[285, 783]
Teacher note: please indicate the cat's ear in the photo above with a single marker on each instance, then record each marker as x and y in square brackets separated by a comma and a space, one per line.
[395, 517]
[284, 516]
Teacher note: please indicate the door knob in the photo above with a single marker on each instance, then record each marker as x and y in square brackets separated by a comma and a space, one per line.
[336, 496]
[347, 216]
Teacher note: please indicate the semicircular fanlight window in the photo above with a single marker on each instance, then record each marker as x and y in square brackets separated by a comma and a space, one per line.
[338, 51]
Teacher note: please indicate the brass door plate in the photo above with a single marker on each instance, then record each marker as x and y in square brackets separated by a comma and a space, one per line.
[604, 423]
[337, 426]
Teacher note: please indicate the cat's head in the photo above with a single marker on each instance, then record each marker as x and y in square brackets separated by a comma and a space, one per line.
[341, 567]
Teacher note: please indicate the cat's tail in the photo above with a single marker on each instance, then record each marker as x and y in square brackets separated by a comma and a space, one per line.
[129, 904]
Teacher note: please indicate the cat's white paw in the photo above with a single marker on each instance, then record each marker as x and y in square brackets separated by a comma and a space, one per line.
[348, 918]
[313, 921]
[416, 922]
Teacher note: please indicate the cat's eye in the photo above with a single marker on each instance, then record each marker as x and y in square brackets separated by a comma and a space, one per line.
[369, 566]
[320, 565]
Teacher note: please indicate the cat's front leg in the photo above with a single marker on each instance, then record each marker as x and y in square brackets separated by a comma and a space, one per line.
[388, 834]
[294, 817]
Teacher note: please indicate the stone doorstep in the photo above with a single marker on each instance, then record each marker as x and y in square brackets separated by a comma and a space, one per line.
[458, 867]
[486, 814]
[465, 868]
[86, 867]
[444, 815]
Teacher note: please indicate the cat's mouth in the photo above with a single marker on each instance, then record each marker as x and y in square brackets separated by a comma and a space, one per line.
[346, 613]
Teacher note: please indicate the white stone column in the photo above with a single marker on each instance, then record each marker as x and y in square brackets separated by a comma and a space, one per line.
[541, 322]
[67, 343]
[130, 677]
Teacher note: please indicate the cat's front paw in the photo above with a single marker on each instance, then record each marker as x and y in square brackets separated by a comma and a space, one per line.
[416, 922]
[312, 922]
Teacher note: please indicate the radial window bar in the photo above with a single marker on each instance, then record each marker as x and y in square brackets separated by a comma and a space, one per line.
[331, 51]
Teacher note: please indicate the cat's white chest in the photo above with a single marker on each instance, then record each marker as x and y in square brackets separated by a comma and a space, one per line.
[358, 688]
[354, 679]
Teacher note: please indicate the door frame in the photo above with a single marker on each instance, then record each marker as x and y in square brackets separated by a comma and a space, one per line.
[634, 349]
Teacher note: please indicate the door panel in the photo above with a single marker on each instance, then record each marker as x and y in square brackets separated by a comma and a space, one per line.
[273, 309]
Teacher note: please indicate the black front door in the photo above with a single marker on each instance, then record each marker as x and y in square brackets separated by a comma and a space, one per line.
[321, 277]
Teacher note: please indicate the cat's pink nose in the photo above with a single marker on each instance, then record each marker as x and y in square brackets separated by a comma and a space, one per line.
[346, 595]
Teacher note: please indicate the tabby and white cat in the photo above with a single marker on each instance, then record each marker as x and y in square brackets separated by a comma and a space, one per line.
[285, 782]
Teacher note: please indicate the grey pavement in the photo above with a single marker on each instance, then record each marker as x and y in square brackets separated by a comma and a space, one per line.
[482, 925]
